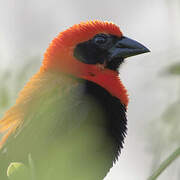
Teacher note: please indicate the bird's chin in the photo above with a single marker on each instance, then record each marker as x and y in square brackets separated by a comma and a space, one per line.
[114, 63]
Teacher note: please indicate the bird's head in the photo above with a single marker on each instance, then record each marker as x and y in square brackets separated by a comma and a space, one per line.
[93, 50]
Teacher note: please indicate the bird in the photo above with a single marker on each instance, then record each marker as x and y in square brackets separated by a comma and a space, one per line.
[71, 116]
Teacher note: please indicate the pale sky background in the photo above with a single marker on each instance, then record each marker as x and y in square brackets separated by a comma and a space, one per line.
[27, 27]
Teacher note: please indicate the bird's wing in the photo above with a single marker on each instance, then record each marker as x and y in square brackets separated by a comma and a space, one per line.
[55, 114]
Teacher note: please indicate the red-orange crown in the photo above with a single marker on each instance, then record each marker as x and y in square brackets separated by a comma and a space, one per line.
[66, 40]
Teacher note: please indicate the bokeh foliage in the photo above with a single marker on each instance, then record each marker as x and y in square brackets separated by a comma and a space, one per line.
[164, 132]
[13, 80]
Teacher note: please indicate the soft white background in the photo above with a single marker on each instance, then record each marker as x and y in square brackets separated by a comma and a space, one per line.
[27, 27]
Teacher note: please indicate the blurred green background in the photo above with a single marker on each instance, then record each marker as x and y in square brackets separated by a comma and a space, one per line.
[152, 80]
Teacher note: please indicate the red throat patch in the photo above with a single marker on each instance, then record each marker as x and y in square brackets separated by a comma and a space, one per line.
[110, 81]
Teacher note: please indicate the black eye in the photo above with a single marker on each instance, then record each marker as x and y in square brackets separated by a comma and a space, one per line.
[100, 39]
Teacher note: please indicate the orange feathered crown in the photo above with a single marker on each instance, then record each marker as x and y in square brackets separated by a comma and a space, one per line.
[65, 42]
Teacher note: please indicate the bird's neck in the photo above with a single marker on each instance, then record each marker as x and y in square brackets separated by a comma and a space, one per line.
[110, 81]
[106, 78]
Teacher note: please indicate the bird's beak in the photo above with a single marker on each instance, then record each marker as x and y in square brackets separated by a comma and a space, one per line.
[126, 47]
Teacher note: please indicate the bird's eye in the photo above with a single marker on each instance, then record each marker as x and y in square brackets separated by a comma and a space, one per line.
[100, 39]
